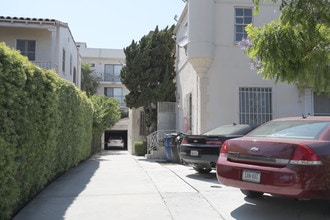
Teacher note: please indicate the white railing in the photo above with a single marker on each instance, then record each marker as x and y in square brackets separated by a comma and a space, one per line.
[155, 140]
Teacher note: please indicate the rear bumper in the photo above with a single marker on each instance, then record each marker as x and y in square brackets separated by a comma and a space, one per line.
[286, 181]
[202, 160]
[115, 145]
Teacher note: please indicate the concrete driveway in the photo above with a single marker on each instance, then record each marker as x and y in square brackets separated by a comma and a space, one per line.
[117, 185]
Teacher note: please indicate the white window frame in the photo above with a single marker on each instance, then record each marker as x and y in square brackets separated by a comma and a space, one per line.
[241, 25]
[27, 50]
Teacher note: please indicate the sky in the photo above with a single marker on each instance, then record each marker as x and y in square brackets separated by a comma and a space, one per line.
[111, 24]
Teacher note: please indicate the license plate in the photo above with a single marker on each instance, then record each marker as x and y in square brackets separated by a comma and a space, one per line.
[194, 153]
[251, 176]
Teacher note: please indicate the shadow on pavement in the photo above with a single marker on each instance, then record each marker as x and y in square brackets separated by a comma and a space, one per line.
[58, 196]
[270, 207]
[208, 177]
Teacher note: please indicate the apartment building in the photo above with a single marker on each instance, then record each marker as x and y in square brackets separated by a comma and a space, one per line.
[48, 43]
[106, 64]
[215, 85]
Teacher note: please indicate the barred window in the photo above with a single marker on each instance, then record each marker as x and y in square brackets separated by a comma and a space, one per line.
[321, 104]
[255, 105]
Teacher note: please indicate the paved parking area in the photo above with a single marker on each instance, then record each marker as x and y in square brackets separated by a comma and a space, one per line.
[117, 185]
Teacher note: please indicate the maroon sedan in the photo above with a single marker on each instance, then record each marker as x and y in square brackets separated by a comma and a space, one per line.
[286, 157]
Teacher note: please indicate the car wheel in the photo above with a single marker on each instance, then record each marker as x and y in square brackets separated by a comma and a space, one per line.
[252, 194]
[202, 169]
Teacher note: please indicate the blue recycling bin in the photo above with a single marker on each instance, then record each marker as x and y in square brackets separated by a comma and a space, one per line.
[171, 149]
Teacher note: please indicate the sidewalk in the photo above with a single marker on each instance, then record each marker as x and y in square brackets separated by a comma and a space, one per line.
[117, 185]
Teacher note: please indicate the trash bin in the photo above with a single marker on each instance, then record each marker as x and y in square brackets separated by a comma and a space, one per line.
[171, 150]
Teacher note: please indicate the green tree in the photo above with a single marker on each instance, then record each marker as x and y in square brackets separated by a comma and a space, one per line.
[294, 48]
[106, 114]
[89, 83]
[149, 73]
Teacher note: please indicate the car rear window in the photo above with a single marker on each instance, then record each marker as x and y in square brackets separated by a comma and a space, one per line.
[229, 130]
[290, 129]
[115, 138]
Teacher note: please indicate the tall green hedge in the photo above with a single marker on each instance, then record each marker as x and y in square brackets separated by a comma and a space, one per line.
[45, 128]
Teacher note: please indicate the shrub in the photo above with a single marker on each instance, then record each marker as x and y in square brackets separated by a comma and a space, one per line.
[45, 129]
[140, 148]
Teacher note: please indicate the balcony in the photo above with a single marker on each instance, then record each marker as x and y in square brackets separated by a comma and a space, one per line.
[43, 65]
[107, 77]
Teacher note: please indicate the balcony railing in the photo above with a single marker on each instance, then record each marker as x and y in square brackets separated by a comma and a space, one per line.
[44, 65]
[106, 77]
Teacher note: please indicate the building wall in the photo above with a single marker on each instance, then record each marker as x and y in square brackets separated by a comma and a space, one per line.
[42, 37]
[51, 37]
[67, 43]
[214, 80]
[98, 58]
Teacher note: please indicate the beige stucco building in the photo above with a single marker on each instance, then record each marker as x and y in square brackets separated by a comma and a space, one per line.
[106, 64]
[46, 42]
[215, 85]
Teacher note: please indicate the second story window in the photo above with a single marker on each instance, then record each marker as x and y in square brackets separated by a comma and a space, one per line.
[71, 64]
[116, 93]
[243, 17]
[112, 72]
[27, 48]
[63, 61]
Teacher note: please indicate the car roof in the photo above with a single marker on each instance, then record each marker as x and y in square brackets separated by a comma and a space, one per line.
[304, 118]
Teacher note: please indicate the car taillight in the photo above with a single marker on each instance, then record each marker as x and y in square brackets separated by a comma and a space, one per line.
[214, 142]
[224, 149]
[184, 141]
[303, 155]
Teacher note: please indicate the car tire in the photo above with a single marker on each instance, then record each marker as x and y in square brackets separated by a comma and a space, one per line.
[252, 194]
[202, 169]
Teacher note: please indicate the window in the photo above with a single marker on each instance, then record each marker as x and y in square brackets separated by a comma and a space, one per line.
[143, 130]
[70, 65]
[321, 105]
[188, 114]
[27, 48]
[74, 75]
[112, 72]
[243, 17]
[63, 61]
[255, 105]
[116, 93]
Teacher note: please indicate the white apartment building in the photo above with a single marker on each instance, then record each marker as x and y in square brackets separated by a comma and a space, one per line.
[46, 42]
[106, 65]
[215, 85]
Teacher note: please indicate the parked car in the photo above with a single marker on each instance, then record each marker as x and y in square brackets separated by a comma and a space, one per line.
[115, 141]
[285, 157]
[202, 151]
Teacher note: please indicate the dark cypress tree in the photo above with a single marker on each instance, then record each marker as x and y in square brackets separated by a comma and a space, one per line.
[149, 73]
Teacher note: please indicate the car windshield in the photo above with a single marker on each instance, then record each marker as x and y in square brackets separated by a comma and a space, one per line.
[228, 130]
[290, 129]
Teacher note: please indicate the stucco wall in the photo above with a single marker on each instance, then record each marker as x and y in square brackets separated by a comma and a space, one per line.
[215, 94]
